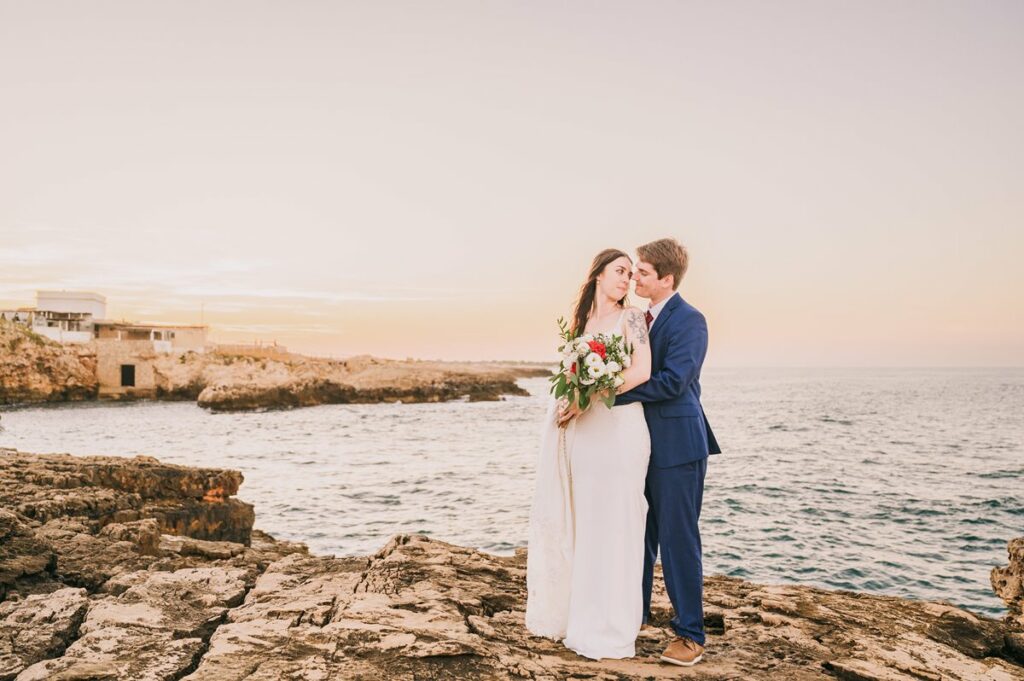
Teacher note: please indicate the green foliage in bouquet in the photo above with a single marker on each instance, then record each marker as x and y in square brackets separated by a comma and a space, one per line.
[591, 368]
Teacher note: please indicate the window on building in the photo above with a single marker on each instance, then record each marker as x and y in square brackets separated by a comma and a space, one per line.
[128, 375]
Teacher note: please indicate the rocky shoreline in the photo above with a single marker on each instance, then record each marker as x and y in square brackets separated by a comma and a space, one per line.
[35, 369]
[115, 568]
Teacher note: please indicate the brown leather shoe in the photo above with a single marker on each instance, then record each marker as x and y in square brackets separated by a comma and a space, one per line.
[683, 652]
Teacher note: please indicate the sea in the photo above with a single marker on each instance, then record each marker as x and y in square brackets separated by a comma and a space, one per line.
[907, 482]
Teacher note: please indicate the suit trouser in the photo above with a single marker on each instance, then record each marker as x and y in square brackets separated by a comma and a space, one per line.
[674, 497]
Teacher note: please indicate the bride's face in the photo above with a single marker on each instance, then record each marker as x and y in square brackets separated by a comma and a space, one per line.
[613, 282]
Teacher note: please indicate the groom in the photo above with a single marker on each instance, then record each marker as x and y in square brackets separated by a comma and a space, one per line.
[680, 443]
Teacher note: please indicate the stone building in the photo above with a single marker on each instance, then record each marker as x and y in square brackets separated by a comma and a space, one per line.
[126, 351]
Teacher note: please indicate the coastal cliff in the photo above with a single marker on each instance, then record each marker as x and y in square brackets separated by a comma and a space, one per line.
[132, 569]
[37, 369]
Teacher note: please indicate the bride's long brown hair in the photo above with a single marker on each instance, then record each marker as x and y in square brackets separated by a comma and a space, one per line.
[585, 301]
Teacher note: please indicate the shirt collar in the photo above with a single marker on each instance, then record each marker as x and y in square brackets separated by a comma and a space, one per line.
[656, 310]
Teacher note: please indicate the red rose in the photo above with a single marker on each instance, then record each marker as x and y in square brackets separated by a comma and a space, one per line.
[573, 370]
[598, 348]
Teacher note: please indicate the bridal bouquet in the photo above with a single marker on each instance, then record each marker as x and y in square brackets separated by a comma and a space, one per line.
[592, 366]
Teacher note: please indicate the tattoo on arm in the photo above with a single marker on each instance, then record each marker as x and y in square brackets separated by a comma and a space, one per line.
[637, 327]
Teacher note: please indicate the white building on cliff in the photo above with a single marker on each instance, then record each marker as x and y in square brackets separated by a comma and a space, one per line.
[67, 316]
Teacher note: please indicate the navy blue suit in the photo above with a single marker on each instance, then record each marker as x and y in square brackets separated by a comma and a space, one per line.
[681, 441]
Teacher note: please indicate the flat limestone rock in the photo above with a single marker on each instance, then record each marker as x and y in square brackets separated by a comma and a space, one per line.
[115, 656]
[967, 633]
[38, 627]
[209, 607]
[186, 546]
[142, 475]
[187, 603]
[143, 534]
[155, 630]
[425, 609]
[88, 560]
[22, 553]
[189, 501]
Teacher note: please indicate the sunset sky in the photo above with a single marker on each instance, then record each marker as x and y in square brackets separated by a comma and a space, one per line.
[431, 179]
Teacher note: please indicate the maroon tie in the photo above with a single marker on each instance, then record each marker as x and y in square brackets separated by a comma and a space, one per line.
[650, 318]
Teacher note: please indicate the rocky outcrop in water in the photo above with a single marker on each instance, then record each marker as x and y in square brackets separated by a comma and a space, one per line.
[1008, 583]
[250, 383]
[159, 605]
[97, 491]
[36, 369]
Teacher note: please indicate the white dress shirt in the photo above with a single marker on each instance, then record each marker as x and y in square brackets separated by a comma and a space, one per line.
[656, 310]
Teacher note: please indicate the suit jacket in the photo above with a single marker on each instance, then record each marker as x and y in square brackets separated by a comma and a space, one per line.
[679, 430]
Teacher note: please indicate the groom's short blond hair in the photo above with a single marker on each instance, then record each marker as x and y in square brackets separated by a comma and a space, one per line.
[666, 256]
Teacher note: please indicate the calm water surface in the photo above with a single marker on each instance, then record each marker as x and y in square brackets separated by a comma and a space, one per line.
[904, 482]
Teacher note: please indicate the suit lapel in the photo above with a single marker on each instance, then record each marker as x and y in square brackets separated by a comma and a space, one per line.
[665, 313]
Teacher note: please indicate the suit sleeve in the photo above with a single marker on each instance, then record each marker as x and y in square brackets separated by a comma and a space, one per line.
[683, 360]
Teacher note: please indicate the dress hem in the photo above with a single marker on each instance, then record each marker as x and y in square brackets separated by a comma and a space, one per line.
[619, 654]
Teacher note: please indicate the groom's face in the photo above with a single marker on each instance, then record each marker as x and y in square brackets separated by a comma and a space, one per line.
[648, 285]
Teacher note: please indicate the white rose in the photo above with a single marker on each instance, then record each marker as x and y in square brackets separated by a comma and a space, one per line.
[619, 380]
[593, 359]
[581, 347]
[597, 370]
[626, 361]
[613, 367]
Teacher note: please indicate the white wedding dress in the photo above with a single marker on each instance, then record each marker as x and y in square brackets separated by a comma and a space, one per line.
[586, 542]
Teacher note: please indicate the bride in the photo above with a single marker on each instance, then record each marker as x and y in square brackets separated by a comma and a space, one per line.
[586, 542]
